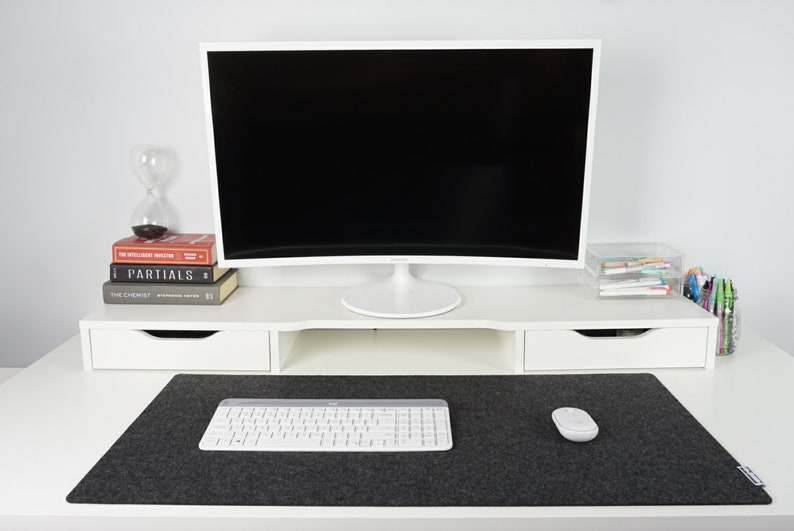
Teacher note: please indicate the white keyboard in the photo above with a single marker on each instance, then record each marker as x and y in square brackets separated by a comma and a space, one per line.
[288, 425]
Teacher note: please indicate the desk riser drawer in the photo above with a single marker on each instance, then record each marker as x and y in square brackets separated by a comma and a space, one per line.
[225, 350]
[654, 348]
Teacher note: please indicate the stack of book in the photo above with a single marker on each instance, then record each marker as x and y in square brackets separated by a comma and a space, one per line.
[175, 269]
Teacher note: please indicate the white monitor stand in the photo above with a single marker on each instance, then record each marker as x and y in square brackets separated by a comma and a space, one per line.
[401, 296]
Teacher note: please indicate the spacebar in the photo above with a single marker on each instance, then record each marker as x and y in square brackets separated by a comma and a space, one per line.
[286, 444]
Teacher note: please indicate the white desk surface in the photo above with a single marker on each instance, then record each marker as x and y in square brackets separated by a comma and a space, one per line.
[6, 373]
[57, 420]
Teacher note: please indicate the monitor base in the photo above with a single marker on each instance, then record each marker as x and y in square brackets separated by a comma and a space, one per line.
[401, 296]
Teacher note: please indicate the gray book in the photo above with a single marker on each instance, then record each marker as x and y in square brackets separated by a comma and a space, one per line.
[157, 293]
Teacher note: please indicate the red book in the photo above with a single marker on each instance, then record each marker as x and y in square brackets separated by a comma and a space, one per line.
[197, 249]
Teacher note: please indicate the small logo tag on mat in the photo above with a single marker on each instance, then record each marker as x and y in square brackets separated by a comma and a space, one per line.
[751, 476]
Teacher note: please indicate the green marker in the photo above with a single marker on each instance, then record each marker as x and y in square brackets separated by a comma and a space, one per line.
[719, 311]
[728, 317]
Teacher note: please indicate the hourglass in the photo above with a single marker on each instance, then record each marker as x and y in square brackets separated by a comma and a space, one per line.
[150, 164]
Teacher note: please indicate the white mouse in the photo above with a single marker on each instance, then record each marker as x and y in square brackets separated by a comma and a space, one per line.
[575, 424]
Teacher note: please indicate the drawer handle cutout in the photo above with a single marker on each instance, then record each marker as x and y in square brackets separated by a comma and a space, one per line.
[180, 334]
[613, 332]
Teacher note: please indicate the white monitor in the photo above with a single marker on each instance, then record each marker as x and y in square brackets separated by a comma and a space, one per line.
[462, 152]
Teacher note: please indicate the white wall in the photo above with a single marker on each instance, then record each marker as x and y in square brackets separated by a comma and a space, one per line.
[694, 139]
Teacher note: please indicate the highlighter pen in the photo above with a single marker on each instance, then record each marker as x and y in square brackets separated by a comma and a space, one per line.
[701, 277]
[630, 263]
[705, 295]
[693, 287]
[621, 270]
[658, 269]
[718, 311]
[620, 263]
[728, 316]
[713, 296]
[631, 283]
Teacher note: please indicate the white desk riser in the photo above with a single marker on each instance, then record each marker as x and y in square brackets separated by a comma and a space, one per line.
[496, 330]
[58, 419]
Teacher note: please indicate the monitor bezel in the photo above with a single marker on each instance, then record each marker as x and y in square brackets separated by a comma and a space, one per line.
[578, 263]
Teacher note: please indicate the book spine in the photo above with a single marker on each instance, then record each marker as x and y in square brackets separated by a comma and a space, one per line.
[134, 254]
[184, 294]
[154, 273]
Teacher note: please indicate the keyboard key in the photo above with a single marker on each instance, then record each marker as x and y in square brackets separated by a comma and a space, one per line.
[287, 444]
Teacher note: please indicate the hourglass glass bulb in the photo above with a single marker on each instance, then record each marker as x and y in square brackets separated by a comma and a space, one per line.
[150, 164]
[149, 220]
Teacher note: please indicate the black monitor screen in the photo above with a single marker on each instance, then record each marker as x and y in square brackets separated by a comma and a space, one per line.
[417, 152]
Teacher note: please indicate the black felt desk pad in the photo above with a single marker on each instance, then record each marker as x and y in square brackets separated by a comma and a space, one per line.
[650, 450]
